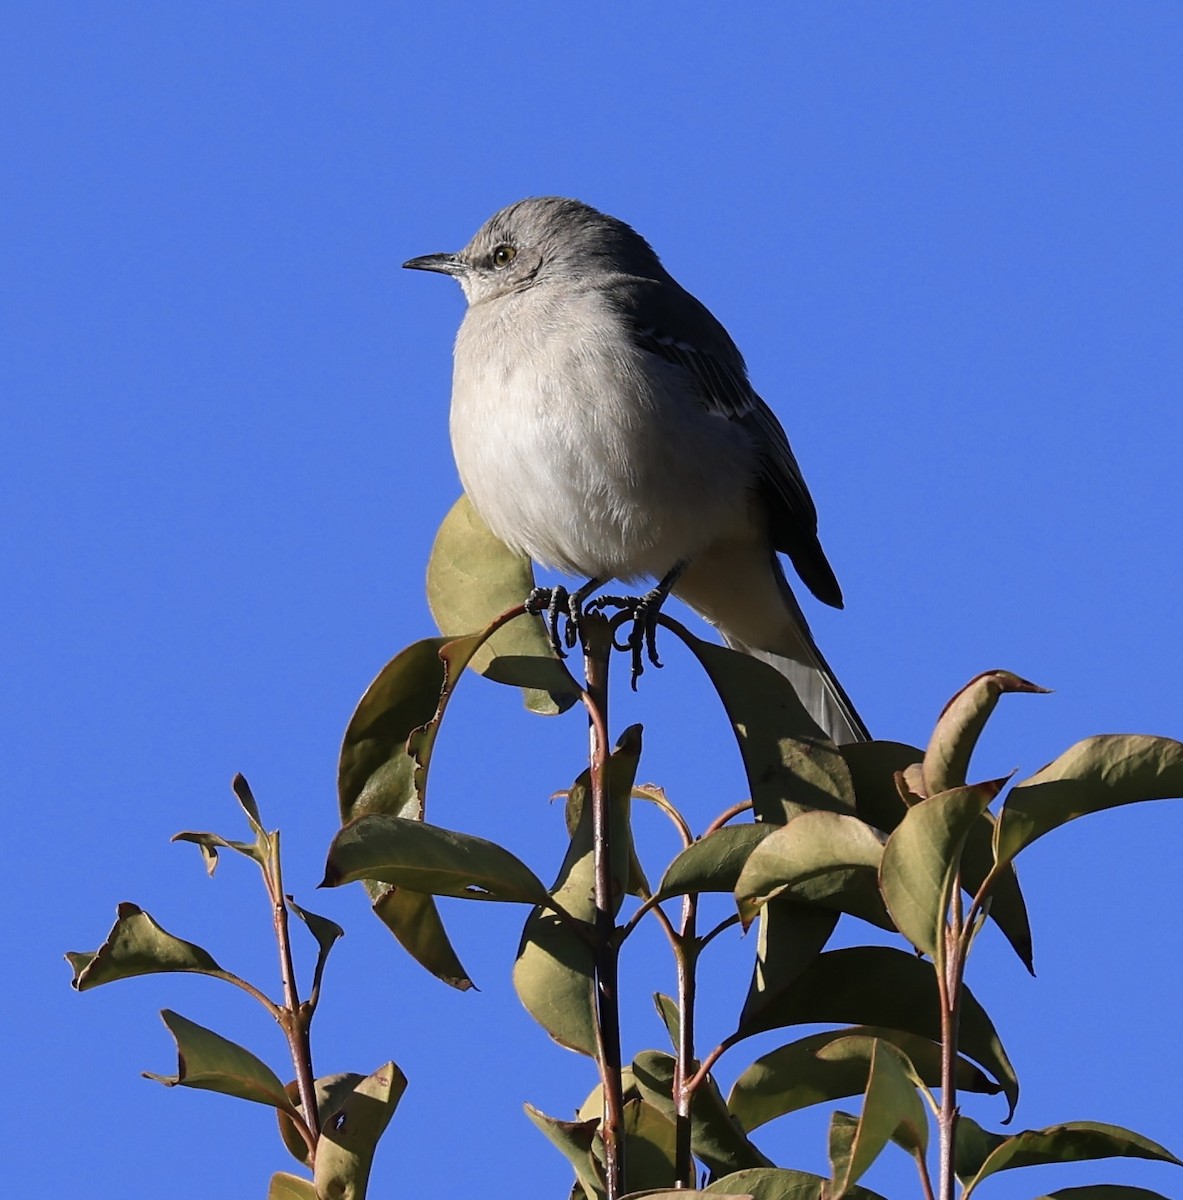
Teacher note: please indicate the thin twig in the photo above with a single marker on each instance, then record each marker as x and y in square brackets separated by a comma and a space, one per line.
[686, 953]
[725, 816]
[597, 648]
[292, 1019]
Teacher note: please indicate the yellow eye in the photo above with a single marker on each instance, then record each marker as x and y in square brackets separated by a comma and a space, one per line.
[503, 256]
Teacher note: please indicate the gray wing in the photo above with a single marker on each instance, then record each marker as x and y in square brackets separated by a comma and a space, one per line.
[698, 343]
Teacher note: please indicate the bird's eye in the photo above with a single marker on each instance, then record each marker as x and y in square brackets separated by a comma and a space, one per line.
[503, 256]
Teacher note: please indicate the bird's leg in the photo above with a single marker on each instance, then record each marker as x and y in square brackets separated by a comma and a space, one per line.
[552, 604]
[643, 611]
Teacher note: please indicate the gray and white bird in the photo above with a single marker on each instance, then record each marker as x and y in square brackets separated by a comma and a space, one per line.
[603, 424]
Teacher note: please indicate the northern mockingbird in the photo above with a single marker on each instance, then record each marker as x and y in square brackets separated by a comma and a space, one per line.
[603, 424]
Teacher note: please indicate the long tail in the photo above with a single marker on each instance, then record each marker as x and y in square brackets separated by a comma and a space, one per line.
[741, 589]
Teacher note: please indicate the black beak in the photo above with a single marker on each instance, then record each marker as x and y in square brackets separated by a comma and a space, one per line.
[445, 264]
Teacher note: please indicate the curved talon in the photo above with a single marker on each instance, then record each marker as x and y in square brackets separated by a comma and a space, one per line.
[548, 603]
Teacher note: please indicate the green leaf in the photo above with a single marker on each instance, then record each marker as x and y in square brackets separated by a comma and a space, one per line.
[209, 1061]
[424, 858]
[1104, 1191]
[946, 761]
[667, 1012]
[330, 1091]
[791, 766]
[1075, 1141]
[325, 932]
[713, 863]
[797, 1075]
[290, 1187]
[136, 945]
[210, 843]
[791, 937]
[921, 859]
[349, 1136]
[873, 767]
[891, 1109]
[415, 921]
[819, 858]
[714, 1136]
[1098, 773]
[650, 1147]
[471, 579]
[1007, 908]
[376, 774]
[776, 1183]
[879, 985]
[246, 798]
[555, 964]
[575, 1141]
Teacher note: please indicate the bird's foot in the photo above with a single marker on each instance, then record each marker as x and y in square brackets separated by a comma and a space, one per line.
[553, 604]
[642, 612]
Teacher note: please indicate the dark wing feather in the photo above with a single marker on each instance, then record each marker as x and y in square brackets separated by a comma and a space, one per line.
[720, 380]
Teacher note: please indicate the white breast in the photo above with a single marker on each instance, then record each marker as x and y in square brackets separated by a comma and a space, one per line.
[585, 452]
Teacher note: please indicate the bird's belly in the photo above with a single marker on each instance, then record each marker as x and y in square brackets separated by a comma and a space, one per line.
[591, 486]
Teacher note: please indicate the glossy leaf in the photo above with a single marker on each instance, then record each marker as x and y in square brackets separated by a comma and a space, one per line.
[879, 985]
[777, 1183]
[471, 579]
[921, 860]
[330, 1091]
[1104, 1191]
[1075, 1141]
[210, 843]
[555, 965]
[209, 1061]
[946, 761]
[349, 1135]
[873, 766]
[817, 858]
[715, 1138]
[246, 799]
[790, 765]
[424, 858]
[891, 1109]
[791, 937]
[136, 945]
[575, 1141]
[713, 863]
[649, 1147]
[798, 1075]
[415, 921]
[1008, 909]
[290, 1187]
[1098, 773]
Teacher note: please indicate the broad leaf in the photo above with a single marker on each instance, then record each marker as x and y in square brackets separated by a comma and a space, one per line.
[817, 858]
[1075, 1141]
[575, 1140]
[1098, 773]
[879, 985]
[471, 579]
[791, 937]
[713, 863]
[873, 766]
[349, 1135]
[330, 1091]
[210, 843]
[136, 945]
[921, 859]
[776, 1183]
[415, 921]
[650, 1148]
[424, 858]
[791, 766]
[715, 1138]
[290, 1187]
[1104, 1191]
[1008, 910]
[555, 965]
[892, 1108]
[209, 1061]
[946, 761]
[796, 1076]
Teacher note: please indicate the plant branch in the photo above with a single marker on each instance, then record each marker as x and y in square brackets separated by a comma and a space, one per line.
[725, 816]
[686, 954]
[292, 1018]
[597, 647]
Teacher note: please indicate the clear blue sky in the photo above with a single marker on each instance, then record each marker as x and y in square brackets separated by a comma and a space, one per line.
[947, 238]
